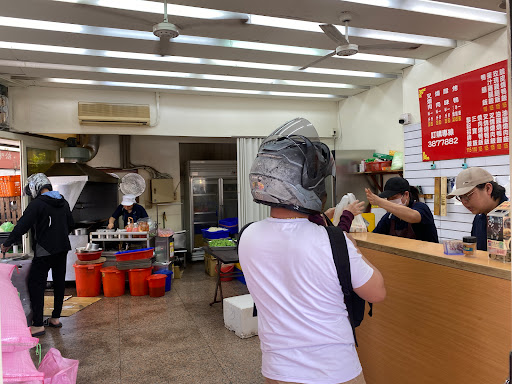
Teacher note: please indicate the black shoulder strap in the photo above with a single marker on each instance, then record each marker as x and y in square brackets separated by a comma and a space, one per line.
[342, 263]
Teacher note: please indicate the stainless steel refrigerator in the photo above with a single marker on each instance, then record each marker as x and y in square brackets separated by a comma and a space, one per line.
[211, 194]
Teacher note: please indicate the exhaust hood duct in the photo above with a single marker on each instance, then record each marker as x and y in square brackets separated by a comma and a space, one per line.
[79, 169]
[91, 143]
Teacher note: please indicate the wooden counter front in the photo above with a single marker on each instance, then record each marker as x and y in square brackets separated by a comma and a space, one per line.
[441, 323]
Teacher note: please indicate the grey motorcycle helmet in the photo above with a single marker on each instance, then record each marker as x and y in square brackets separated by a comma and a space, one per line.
[36, 183]
[290, 168]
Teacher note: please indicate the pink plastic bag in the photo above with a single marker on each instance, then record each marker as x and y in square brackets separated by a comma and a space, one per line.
[19, 368]
[57, 369]
[16, 335]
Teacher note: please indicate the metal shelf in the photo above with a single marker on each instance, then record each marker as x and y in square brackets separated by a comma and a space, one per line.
[205, 194]
[205, 222]
[205, 213]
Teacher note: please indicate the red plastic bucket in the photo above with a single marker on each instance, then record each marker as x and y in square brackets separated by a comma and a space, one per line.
[138, 281]
[113, 281]
[226, 268]
[88, 279]
[157, 285]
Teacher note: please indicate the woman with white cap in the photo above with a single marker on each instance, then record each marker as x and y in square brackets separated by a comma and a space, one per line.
[476, 189]
[127, 208]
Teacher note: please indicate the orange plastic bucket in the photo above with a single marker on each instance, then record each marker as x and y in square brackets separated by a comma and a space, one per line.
[138, 281]
[156, 285]
[224, 269]
[113, 281]
[88, 279]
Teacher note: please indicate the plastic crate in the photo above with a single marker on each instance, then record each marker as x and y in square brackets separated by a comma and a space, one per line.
[137, 254]
[231, 224]
[221, 234]
[10, 186]
[377, 166]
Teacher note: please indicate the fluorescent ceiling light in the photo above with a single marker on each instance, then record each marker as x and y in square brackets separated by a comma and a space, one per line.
[186, 60]
[266, 21]
[185, 88]
[196, 40]
[166, 74]
[440, 9]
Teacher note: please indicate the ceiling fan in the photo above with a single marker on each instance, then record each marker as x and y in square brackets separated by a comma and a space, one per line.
[345, 48]
[166, 31]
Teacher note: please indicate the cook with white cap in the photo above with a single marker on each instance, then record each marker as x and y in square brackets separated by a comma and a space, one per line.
[476, 189]
[127, 208]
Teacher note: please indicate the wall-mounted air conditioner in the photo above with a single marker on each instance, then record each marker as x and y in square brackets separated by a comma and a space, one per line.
[113, 114]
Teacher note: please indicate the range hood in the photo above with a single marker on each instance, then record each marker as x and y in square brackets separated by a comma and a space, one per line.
[80, 169]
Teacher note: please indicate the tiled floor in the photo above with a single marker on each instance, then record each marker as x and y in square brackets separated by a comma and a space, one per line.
[177, 338]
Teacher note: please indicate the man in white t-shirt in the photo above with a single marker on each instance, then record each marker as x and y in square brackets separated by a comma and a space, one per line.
[288, 265]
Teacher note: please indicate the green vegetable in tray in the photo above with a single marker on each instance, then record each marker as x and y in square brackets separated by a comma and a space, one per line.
[222, 243]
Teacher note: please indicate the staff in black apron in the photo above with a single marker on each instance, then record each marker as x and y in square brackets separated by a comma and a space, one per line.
[407, 216]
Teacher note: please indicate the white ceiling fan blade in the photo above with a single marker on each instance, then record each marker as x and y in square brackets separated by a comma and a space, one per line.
[242, 20]
[318, 60]
[395, 46]
[334, 34]
[118, 13]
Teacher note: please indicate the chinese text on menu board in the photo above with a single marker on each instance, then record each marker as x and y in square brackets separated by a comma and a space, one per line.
[9, 160]
[466, 116]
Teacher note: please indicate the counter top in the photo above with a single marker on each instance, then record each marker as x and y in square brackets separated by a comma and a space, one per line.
[433, 253]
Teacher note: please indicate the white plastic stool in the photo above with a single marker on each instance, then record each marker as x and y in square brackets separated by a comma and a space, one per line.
[238, 316]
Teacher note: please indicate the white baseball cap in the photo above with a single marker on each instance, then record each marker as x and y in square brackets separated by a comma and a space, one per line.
[469, 179]
[128, 200]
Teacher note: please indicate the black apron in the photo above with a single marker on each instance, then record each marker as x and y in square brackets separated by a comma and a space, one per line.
[407, 232]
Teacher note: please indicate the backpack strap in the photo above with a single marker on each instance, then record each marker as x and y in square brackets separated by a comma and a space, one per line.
[342, 263]
[254, 310]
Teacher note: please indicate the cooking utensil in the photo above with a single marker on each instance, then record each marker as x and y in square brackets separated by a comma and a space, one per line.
[80, 231]
[92, 247]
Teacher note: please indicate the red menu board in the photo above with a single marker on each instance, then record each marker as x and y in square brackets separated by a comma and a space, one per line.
[466, 116]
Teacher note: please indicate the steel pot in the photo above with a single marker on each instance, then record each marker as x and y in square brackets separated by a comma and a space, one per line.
[80, 231]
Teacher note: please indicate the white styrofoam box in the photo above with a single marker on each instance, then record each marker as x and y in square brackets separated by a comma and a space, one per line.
[238, 316]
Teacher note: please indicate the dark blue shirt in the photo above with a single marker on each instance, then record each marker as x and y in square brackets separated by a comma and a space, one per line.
[425, 230]
[138, 212]
[479, 229]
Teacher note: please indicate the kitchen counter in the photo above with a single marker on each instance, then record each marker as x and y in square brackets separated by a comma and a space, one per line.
[433, 253]
[445, 320]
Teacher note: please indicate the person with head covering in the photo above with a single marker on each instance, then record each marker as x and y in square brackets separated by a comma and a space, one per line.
[303, 324]
[49, 217]
[127, 208]
[476, 189]
[407, 216]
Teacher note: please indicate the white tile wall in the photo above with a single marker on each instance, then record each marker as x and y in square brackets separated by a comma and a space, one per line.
[459, 220]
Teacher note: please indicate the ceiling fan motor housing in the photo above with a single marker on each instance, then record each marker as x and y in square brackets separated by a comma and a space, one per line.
[164, 29]
[347, 50]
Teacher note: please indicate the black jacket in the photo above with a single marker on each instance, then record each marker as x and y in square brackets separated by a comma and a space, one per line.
[50, 221]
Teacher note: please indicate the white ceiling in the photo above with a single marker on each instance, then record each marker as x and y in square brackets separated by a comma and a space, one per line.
[211, 58]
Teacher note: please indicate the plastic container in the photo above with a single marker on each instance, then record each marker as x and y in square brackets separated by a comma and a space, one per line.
[138, 254]
[168, 280]
[221, 234]
[469, 244]
[453, 247]
[10, 186]
[88, 256]
[156, 284]
[113, 281]
[224, 269]
[377, 166]
[138, 281]
[230, 224]
[88, 280]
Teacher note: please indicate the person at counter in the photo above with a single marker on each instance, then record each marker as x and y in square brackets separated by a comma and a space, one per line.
[476, 189]
[127, 208]
[408, 217]
[49, 217]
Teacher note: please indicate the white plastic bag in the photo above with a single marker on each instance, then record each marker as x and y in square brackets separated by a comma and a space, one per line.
[358, 225]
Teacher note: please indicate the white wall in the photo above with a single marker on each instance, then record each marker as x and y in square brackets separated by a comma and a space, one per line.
[369, 120]
[54, 110]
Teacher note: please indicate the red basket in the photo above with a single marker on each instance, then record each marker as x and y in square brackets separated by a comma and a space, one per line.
[146, 253]
[10, 186]
[88, 256]
[377, 166]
